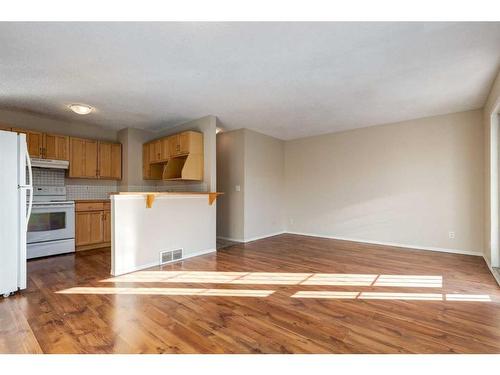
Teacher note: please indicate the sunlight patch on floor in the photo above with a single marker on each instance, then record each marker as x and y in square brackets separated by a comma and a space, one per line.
[468, 297]
[325, 294]
[393, 296]
[412, 281]
[402, 296]
[280, 278]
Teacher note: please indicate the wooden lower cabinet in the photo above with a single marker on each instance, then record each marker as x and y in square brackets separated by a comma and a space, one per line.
[106, 226]
[93, 225]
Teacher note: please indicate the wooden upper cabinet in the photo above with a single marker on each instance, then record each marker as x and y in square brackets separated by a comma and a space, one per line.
[176, 157]
[56, 147]
[34, 141]
[156, 151]
[152, 154]
[110, 160]
[146, 170]
[150, 171]
[173, 145]
[185, 143]
[165, 149]
[92, 159]
[83, 158]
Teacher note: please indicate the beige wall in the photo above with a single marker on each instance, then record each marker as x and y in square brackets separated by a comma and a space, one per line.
[263, 185]
[408, 183]
[254, 162]
[132, 141]
[230, 173]
[491, 155]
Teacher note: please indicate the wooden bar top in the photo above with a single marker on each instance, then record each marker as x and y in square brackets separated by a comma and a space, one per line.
[92, 200]
[150, 196]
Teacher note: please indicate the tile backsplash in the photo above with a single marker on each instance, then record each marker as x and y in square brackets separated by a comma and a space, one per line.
[89, 189]
[76, 192]
[48, 177]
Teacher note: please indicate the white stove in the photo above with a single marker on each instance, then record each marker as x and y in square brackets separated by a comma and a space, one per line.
[51, 227]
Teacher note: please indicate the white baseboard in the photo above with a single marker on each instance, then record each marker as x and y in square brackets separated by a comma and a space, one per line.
[251, 238]
[203, 252]
[405, 246]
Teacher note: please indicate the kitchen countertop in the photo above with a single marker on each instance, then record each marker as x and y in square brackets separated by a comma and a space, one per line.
[92, 200]
[150, 196]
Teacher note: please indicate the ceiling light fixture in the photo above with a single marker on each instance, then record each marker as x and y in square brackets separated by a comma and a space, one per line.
[81, 109]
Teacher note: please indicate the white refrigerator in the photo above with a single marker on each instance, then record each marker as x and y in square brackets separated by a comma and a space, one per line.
[16, 198]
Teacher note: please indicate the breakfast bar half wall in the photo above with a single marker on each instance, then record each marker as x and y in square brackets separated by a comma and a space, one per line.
[146, 234]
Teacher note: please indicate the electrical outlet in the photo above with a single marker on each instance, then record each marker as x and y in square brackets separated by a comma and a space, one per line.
[237, 188]
[291, 221]
[451, 235]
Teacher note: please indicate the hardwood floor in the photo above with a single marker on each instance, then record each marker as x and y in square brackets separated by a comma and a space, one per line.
[243, 299]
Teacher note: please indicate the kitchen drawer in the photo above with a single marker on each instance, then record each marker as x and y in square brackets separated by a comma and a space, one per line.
[89, 206]
[107, 206]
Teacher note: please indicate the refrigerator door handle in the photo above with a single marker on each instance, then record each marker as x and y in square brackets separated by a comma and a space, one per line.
[29, 187]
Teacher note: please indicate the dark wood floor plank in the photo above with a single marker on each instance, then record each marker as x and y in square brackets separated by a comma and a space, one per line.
[40, 319]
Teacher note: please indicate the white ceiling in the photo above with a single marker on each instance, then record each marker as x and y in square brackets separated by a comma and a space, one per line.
[288, 80]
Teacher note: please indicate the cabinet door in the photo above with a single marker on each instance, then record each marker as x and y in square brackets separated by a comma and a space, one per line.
[146, 171]
[91, 158]
[173, 144]
[110, 160]
[83, 158]
[184, 142]
[104, 160]
[82, 230]
[96, 227]
[34, 141]
[106, 222]
[116, 161]
[191, 142]
[157, 146]
[165, 153]
[55, 147]
[152, 153]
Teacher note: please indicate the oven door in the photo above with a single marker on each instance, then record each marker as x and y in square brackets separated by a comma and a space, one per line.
[51, 222]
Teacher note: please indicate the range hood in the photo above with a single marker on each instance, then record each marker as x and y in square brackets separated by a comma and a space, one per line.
[49, 163]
